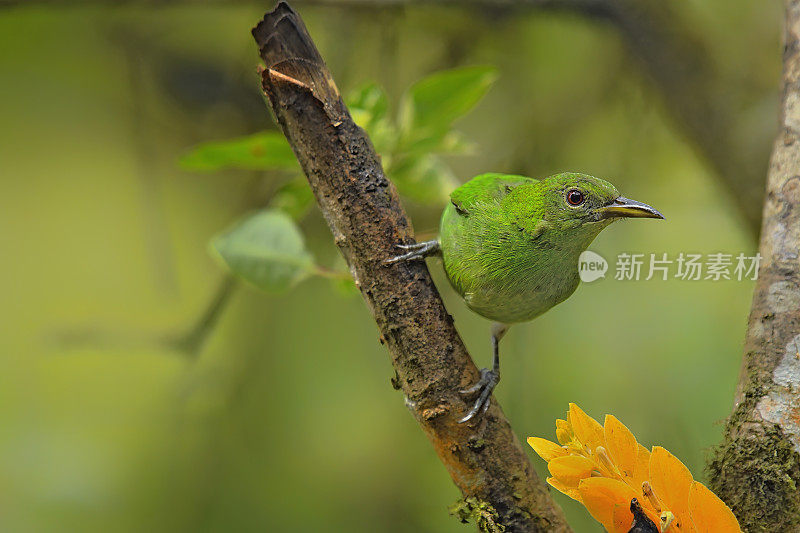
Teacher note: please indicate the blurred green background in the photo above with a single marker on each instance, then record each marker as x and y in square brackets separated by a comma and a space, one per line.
[280, 416]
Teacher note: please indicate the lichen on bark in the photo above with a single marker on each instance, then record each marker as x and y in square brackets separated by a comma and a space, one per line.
[479, 512]
[757, 472]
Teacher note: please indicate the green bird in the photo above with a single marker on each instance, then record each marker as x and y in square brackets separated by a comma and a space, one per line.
[510, 247]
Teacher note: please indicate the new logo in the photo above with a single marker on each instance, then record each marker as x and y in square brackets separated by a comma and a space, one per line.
[591, 266]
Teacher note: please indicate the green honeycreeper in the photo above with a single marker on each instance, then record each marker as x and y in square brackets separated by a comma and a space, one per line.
[510, 247]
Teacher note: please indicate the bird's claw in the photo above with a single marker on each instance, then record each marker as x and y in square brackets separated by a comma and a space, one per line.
[487, 383]
[417, 250]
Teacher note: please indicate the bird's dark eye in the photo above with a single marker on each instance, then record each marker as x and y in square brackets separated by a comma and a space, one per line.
[574, 197]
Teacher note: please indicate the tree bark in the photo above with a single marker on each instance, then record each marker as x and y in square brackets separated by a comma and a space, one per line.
[756, 469]
[485, 459]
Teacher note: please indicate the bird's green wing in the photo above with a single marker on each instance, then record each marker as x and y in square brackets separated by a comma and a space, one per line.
[485, 188]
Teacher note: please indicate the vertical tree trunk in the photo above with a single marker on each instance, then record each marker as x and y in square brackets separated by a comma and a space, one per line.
[756, 469]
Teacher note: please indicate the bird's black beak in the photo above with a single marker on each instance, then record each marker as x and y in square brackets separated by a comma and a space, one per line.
[626, 208]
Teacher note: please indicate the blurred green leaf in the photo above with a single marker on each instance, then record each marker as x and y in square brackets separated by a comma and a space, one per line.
[427, 112]
[340, 277]
[434, 102]
[383, 135]
[407, 150]
[424, 179]
[367, 104]
[262, 151]
[267, 250]
[294, 197]
[345, 287]
[451, 142]
[455, 143]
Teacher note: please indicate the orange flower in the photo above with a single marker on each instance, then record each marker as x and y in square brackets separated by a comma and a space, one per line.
[604, 468]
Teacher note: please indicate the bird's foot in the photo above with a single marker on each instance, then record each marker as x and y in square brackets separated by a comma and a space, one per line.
[417, 250]
[485, 385]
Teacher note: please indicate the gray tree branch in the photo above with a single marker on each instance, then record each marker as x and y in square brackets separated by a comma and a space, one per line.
[756, 470]
[485, 459]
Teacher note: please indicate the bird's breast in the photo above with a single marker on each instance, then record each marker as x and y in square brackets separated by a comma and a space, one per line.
[513, 285]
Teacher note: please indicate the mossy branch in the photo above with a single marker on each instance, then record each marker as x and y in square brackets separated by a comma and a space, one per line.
[756, 469]
[362, 209]
[481, 513]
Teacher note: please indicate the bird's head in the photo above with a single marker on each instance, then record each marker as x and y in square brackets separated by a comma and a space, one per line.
[571, 200]
[577, 205]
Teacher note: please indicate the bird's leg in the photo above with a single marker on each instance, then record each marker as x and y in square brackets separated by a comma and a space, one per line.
[489, 378]
[418, 250]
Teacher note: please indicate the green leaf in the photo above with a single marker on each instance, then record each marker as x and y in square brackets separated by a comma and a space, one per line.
[262, 151]
[267, 250]
[434, 102]
[345, 287]
[455, 143]
[367, 104]
[441, 142]
[294, 197]
[425, 179]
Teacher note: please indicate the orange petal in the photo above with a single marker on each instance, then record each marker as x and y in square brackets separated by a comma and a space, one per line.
[709, 513]
[621, 446]
[602, 497]
[547, 450]
[563, 431]
[560, 487]
[671, 481]
[622, 518]
[563, 436]
[642, 471]
[586, 429]
[570, 469]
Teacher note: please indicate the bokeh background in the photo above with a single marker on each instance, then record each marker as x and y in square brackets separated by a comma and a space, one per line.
[141, 391]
